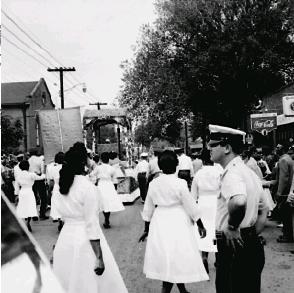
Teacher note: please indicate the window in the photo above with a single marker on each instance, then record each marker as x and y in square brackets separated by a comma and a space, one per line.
[43, 99]
[37, 134]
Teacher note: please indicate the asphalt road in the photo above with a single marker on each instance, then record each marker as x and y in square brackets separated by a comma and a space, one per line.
[127, 226]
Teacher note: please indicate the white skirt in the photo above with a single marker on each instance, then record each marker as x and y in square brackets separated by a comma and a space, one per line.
[269, 200]
[74, 263]
[26, 203]
[172, 253]
[109, 199]
[54, 214]
[207, 206]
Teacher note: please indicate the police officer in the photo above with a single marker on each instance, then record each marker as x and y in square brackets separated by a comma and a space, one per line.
[241, 215]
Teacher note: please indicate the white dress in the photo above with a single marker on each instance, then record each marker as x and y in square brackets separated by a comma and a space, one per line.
[172, 253]
[206, 187]
[109, 199]
[27, 203]
[73, 256]
[54, 173]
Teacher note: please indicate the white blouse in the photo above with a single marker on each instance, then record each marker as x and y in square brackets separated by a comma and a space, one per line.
[169, 190]
[81, 205]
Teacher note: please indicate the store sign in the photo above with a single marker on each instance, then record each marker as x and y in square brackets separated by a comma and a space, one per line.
[263, 123]
[288, 106]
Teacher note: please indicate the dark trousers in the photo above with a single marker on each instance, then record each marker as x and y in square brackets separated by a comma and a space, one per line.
[142, 180]
[239, 272]
[286, 217]
[39, 189]
[186, 175]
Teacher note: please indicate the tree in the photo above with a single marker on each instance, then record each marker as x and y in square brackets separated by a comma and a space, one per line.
[11, 133]
[214, 58]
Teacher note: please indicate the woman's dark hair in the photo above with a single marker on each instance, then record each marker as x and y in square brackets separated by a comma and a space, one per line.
[59, 158]
[96, 158]
[168, 162]
[205, 157]
[24, 165]
[75, 160]
[105, 158]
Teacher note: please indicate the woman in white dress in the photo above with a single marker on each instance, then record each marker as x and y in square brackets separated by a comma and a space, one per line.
[172, 253]
[82, 260]
[205, 189]
[109, 199]
[27, 207]
[54, 179]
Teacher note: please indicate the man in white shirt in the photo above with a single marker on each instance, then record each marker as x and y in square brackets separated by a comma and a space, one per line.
[185, 168]
[154, 170]
[241, 215]
[36, 162]
[142, 171]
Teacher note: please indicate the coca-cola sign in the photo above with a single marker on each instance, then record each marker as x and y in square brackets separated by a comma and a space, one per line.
[264, 121]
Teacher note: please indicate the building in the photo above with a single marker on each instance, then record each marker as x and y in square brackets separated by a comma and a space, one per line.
[273, 103]
[22, 100]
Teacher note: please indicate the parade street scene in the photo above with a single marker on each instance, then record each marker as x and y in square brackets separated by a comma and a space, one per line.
[147, 146]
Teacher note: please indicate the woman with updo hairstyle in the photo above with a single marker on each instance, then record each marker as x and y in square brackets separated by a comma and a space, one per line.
[27, 207]
[81, 249]
[172, 253]
[104, 176]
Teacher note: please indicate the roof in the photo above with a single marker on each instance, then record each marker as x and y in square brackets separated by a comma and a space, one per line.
[105, 113]
[16, 92]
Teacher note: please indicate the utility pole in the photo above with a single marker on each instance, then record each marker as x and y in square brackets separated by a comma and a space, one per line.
[98, 105]
[61, 70]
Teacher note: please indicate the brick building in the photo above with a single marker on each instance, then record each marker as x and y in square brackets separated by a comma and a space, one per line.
[22, 100]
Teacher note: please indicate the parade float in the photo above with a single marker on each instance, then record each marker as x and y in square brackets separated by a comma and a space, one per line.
[61, 128]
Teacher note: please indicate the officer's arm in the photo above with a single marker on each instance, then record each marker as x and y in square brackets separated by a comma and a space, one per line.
[237, 209]
[262, 214]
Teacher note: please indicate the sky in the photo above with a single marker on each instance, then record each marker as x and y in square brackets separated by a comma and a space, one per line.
[94, 36]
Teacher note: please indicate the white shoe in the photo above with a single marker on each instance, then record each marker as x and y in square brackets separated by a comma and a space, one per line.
[280, 226]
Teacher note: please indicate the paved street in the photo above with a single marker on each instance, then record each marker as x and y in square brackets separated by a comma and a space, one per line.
[127, 226]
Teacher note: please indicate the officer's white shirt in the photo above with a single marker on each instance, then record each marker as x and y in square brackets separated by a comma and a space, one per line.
[185, 163]
[239, 179]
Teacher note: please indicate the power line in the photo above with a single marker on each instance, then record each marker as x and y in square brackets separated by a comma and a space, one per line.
[21, 49]
[41, 47]
[28, 46]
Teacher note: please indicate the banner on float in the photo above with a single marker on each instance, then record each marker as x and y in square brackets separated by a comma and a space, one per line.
[60, 129]
[24, 267]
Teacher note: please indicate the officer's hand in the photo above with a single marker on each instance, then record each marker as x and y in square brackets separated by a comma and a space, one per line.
[99, 267]
[202, 232]
[233, 238]
[142, 238]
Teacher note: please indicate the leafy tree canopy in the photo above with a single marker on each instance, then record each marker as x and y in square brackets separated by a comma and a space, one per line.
[214, 57]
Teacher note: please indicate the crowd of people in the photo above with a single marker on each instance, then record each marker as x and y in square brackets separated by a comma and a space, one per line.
[216, 201]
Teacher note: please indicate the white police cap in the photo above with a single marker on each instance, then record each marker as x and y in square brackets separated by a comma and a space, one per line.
[222, 133]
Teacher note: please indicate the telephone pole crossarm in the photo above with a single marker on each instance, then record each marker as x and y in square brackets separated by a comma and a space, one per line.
[61, 70]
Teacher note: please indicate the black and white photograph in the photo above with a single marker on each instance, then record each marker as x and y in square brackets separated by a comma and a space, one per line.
[147, 146]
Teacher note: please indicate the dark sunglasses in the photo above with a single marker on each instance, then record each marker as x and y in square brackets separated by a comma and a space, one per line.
[214, 144]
